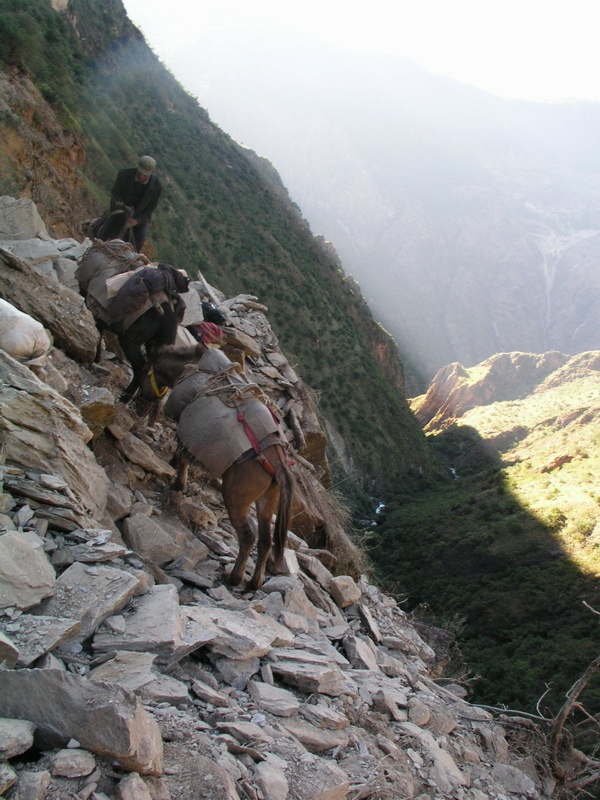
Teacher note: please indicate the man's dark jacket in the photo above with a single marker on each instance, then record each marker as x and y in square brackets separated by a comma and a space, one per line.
[142, 197]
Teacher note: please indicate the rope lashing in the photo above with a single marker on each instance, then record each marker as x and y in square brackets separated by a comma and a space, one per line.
[158, 393]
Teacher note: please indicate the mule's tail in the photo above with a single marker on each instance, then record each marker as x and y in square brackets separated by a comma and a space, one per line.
[285, 481]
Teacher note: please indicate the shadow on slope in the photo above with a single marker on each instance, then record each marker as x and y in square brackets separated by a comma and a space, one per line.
[482, 563]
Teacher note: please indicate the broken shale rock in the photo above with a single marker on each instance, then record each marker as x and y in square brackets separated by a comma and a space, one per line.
[104, 719]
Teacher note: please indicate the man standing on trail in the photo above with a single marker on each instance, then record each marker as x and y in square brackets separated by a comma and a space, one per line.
[139, 188]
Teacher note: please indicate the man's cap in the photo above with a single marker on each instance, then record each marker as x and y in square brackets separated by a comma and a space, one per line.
[146, 165]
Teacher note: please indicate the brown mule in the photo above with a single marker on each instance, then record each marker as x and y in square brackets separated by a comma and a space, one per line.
[243, 483]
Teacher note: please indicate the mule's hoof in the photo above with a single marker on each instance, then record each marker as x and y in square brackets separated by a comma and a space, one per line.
[232, 579]
[125, 398]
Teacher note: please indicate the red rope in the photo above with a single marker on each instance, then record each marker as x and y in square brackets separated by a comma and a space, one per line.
[260, 457]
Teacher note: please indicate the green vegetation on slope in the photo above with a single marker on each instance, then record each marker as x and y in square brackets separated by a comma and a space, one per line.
[511, 547]
[218, 216]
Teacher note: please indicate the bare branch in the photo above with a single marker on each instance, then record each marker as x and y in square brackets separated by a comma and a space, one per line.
[513, 711]
[561, 717]
[593, 610]
[537, 705]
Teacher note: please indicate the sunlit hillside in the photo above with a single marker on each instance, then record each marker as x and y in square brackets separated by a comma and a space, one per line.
[510, 551]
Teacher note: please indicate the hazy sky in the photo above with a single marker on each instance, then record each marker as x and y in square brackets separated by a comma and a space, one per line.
[533, 49]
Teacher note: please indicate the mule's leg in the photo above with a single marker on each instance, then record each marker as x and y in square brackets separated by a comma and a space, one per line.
[181, 460]
[101, 328]
[242, 485]
[265, 508]
[133, 353]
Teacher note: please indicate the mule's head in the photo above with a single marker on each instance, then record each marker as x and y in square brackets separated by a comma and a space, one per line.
[162, 373]
[117, 223]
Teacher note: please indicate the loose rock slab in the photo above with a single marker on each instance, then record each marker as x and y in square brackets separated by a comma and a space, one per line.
[16, 736]
[104, 719]
[26, 575]
[279, 702]
[36, 635]
[89, 594]
[317, 678]
[158, 625]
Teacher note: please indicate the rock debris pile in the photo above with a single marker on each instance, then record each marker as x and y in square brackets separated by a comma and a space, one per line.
[131, 672]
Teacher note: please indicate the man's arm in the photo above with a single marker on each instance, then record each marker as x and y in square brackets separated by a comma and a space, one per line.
[116, 193]
[147, 206]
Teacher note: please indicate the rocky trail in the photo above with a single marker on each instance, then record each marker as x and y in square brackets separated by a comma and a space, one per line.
[130, 671]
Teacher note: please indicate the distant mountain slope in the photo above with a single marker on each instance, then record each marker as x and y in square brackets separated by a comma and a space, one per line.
[82, 95]
[472, 223]
[513, 546]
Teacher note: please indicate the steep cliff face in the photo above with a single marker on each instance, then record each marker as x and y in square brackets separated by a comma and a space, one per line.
[40, 158]
[456, 389]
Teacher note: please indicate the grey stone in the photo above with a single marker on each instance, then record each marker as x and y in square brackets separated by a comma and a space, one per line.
[31, 785]
[311, 777]
[20, 220]
[149, 540]
[26, 575]
[271, 780]
[280, 583]
[273, 605]
[385, 702]
[239, 636]
[210, 695]
[245, 732]
[408, 641]
[130, 670]
[295, 622]
[16, 737]
[189, 776]
[9, 652]
[314, 678]
[163, 689]
[88, 553]
[290, 562]
[235, 672]
[297, 602]
[344, 591]
[315, 569]
[47, 435]
[369, 623]
[359, 653]
[140, 453]
[73, 763]
[119, 502]
[158, 625]
[58, 308]
[133, 788]
[279, 702]
[324, 717]
[316, 740]
[38, 635]
[8, 777]
[514, 780]
[105, 719]
[89, 594]
[418, 712]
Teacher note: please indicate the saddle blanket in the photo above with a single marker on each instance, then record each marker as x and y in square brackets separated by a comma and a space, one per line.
[208, 426]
